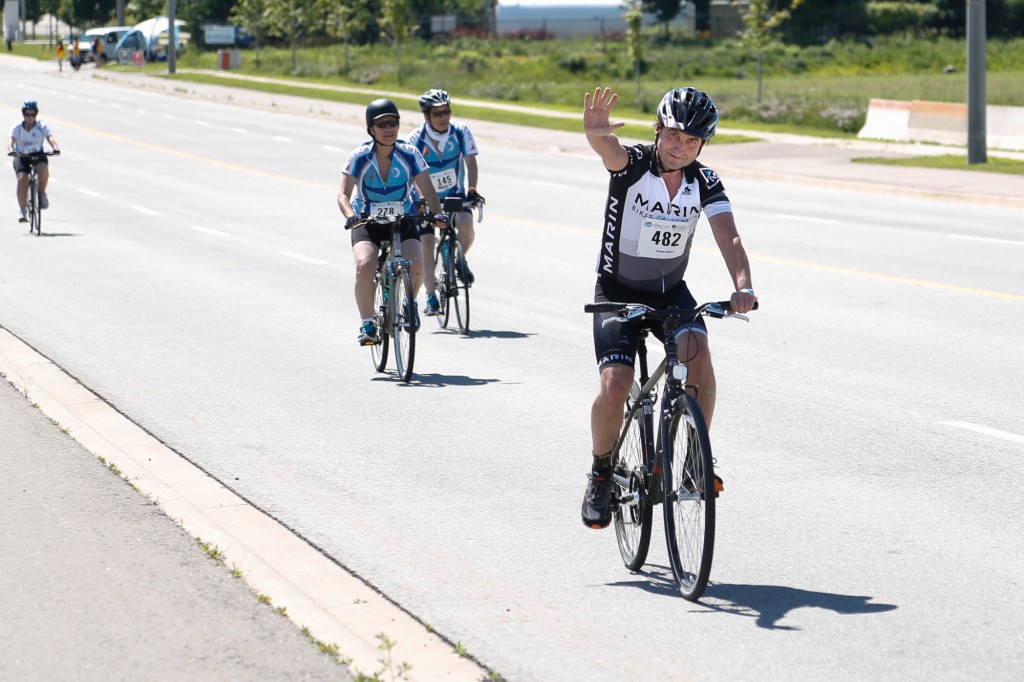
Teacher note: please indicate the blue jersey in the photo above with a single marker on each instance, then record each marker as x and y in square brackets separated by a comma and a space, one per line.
[445, 154]
[384, 196]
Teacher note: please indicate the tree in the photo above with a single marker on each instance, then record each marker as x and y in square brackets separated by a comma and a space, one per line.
[762, 21]
[254, 15]
[397, 17]
[663, 10]
[634, 16]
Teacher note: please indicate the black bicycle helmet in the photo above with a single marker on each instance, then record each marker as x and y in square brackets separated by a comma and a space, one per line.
[29, 105]
[381, 107]
[689, 110]
[434, 98]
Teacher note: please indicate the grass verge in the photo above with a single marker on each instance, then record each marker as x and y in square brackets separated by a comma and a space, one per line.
[994, 164]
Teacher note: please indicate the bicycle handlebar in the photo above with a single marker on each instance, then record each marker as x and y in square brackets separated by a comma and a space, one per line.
[632, 311]
[23, 155]
[375, 221]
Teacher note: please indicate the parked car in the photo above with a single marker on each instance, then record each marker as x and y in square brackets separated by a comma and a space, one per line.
[111, 36]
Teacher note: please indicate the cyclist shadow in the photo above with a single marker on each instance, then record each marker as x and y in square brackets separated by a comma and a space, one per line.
[487, 334]
[53, 234]
[769, 604]
[437, 380]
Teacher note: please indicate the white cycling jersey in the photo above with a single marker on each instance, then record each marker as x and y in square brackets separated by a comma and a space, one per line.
[29, 141]
[647, 233]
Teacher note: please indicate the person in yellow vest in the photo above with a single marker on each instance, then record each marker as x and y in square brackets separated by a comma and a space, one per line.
[76, 54]
[60, 54]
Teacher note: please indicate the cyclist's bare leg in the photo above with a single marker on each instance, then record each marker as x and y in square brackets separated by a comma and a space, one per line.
[466, 232]
[365, 254]
[427, 246]
[413, 250]
[693, 346]
[606, 413]
[43, 171]
[22, 190]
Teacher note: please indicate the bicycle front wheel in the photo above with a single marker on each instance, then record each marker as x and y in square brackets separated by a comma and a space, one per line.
[379, 350]
[633, 517]
[689, 480]
[441, 281]
[35, 215]
[460, 291]
[404, 328]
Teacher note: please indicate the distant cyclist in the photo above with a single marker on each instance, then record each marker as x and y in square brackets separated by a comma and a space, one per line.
[27, 138]
[656, 194]
[383, 172]
[450, 151]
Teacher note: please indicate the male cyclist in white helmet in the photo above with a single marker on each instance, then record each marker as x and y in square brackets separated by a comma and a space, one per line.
[450, 150]
[27, 137]
[653, 190]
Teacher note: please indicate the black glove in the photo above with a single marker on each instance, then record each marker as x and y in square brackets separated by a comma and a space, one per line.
[474, 198]
[56, 152]
[441, 218]
[12, 153]
[351, 221]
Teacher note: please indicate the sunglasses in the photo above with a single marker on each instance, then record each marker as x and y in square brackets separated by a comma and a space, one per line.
[389, 123]
[439, 114]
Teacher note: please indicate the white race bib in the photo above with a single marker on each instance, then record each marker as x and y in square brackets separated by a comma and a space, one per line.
[662, 238]
[388, 210]
[444, 180]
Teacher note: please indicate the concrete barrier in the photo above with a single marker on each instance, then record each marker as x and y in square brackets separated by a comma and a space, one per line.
[887, 119]
[941, 123]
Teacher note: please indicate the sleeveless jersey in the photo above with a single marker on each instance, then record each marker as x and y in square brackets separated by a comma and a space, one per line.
[389, 196]
[647, 233]
[447, 167]
[30, 141]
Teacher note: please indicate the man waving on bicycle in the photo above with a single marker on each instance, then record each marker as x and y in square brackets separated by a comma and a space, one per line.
[27, 137]
[656, 193]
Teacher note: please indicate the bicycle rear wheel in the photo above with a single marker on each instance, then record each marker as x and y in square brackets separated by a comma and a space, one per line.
[404, 328]
[689, 480]
[379, 350]
[35, 215]
[441, 282]
[633, 517]
[460, 290]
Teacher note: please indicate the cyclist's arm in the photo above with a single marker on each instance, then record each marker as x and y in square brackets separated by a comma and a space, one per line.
[427, 191]
[10, 144]
[348, 183]
[600, 132]
[472, 173]
[53, 143]
[723, 226]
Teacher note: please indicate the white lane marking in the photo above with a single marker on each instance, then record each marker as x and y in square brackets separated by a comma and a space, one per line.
[989, 240]
[996, 433]
[239, 130]
[210, 230]
[200, 123]
[334, 149]
[550, 184]
[805, 219]
[140, 111]
[89, 192]
[305, 259]
[114, 105]
[169, 117]
[143, 209]
[282, 138]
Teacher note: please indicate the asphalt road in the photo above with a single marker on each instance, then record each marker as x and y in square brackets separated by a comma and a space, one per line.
[195, 275]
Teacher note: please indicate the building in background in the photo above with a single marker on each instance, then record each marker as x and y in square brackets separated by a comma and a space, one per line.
[597, 18]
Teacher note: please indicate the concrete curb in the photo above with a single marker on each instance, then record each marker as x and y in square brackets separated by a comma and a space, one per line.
[336, 606]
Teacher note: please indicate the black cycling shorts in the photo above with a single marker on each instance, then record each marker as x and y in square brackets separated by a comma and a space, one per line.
[378, 234]
[21, 165]
[616, 342]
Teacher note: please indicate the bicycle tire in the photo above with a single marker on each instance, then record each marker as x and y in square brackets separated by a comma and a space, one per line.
[689, 483]
[460, 291]
[379, 350]
[441, 283]
[633, 521]
[35, 215]
[404, 327]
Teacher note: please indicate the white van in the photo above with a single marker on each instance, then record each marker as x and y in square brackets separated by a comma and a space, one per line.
[111, 36]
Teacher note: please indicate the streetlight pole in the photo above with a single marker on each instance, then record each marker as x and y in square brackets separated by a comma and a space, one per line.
[172, 38]
[976, 104]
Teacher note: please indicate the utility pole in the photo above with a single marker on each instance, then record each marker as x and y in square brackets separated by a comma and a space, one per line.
[172, 39]
[120, 12]
[976, 104]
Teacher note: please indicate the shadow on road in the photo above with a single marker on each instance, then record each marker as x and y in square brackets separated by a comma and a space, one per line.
[487, 334]
[54, 234]
[769, 604]
[434, 380]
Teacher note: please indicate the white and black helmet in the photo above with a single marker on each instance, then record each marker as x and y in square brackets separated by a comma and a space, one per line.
[689, 110]
[434, 98]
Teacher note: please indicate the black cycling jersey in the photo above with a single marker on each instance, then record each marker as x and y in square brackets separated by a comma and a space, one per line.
[647, 234]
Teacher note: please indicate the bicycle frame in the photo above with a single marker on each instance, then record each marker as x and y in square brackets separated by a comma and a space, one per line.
[390, 266]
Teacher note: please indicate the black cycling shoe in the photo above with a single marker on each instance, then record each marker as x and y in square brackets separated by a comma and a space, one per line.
[598, 501]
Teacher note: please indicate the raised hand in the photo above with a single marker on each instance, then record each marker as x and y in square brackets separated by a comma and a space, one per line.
[596, 112]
